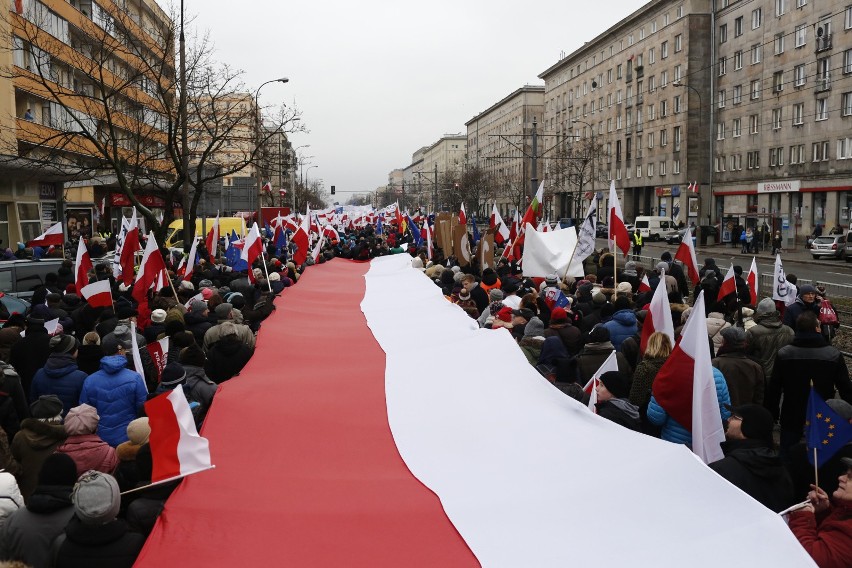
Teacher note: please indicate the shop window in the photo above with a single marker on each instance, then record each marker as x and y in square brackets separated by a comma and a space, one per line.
[29, 220]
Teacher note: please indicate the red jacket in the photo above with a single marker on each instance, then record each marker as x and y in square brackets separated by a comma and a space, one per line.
[826, 536]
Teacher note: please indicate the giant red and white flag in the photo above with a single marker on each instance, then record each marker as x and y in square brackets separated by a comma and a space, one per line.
[729, 284]
[685, 388]
[176, 448]
[752, 281]
[618, 235]
[129, 246]
[501, 231]
[253, 248]
[82, 266]
[97, 294]
[659, 317]
[212, 242]
[686, 254]
[591, 388]
[150, 269]
[53, 236]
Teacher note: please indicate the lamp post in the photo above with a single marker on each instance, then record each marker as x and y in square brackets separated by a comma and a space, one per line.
[710, 154]
[259, 140]
[594, 158]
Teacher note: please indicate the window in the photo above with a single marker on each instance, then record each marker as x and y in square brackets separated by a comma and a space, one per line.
[844, 148]
[677, 138]
[753, 160]
[776, 119]
[618, 71]
[723, 33]
[680, 11]
[799, 75]
[609, 76]
[801, 3]
[738, 27]
[720, 131]
[676, 102]
[721, 98]
[737, 129]
[777, 81]
[664, 108]
[847, 61]
[797, 154]
[756, 18]
[618, 122]
[652, 84]
[638, 170]
[779, 44]
[651, 114]
[821, 109]
[664, 50]
[819, 151]
[798, 114]
[738, 94]
[738, 60]
[801, 35]
[30, 221]
[776, 157]
[847, 18]
[755, 89]
[754, 123]
[736, 162]
[664, 139]
[756, 50]
[780, 7]
[678, 74]
[846, 104]
[664, 79]
[650, 170]
[662, 168]
[675, 167]
[723, 68]
[651, 56]
[678, 40]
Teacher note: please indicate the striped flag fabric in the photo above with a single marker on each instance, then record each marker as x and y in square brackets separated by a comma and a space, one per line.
[82, 266]
[659, 317]
[618, 235]
[686, 254]
[53, 236]
[752, 281]
[729, 284]
[97, 294]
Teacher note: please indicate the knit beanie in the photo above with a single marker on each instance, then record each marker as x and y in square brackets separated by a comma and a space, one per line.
[495, 295]
[138, 431]
[599, 335]
[558, 315]
[534, 328]
[617, 383]
[96, 498]
[63, 344]
[766, 306]
[173, 374]
[81, 420]
[158, 316]
[48, 408]
[624, 287]
[58, 470]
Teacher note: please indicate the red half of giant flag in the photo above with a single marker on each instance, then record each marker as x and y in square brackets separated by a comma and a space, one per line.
[82, 266]
[129, 246]
[534, 210]
[193, 252]
[176, 448]
[685, 388]
[752, 281]
[53, 236]
[212, 241]
[617, 229]
[97, 294]
[686, 254]
[252, 249]
[729, 284]
[644, 284]
[150, 268]
[462, 216]
[659, 317]
[501, 231]
[159, 352]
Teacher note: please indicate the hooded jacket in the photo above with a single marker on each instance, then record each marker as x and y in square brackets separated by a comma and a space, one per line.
[30, 354]
[765, 338]
[715, 324]
[746, 383]
[621, 326]
[758, 471]
[226, 358]
[117, 393]
[31, 446]
[59, 376]
[592, 356]
[29, 531]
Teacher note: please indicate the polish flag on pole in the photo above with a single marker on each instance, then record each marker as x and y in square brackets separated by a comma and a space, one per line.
[618, 235]
[159, 352]
[429, 250]
[252, 249]
[97, 294]
[534, 210]
[302, 239]
[685, 388]
[752, 280]
[644, 284]
[686, 254]
[501, 231]
[193, 252]
[659, 317]
[212, 242]
[176, 448]
[591, 388]
[729, 284]
[462, 216]
[137, 357]
[53, 236]
[513, 231]
[128, 250]
[82, 266]
[150, 268]
[318, 247]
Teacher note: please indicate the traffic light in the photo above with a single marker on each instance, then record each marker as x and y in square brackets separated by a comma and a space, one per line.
[332, 190]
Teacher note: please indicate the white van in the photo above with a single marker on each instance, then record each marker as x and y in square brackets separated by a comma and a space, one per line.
[653, 228]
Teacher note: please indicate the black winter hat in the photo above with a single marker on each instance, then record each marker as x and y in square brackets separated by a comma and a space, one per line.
[47, 406]
[173, 374]
[58, 469]
[617, 383]
[598, 335]
[757, 421]
[192, 355]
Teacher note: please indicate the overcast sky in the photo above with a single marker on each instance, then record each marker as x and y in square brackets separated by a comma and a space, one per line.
[376, 80]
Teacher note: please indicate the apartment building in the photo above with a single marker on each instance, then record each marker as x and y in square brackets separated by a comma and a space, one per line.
[637, 96]
[499, 141]
[58, 58]
[446, 159]
[783, 107]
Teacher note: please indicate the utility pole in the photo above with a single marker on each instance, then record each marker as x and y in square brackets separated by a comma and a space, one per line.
[534, 172]
[188, 233]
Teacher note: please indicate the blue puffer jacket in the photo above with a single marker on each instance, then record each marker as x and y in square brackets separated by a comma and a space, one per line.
[60, 376]
[621, 326]
[674, 432]
[117, 393]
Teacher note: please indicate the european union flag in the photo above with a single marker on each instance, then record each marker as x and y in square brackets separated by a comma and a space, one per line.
[475, 229]
[826, 431]
[415, 230]
[232, 254]
[281, 242]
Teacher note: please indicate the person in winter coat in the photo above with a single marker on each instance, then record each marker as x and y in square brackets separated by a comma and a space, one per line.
[477, 293]
[809, 359]
[596, 350]
[30, 353]
[10, 497]
[138, 432]
[561, 327]
[90, 353]
[30, 530]
[467, 304]
[95, 536]
[746, 383]
[533, 340]
[671, 430]
[116, 392]
[13, 401]
[60, 375]
[806, 301]
[767, 336]
[83, 444]
[199, 387]
[226, 326]
[226, 358]
[10, 334]
[613, 404]
[39, 437]
[623, 323]
[496, 304]
[157, 326]
[122, 334]
[657, 350]
[198, 320]
[824, 528]
[750, 461]
[715, 324]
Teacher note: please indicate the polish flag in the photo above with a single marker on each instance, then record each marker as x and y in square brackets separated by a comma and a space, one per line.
[686, 254]
[97, 294]
[82, 266]
[644, 284]
[188, 303]
[501, 231]
[591, 388]
[685, 388]
[128, 250]
[618, 235]
[659, 317]
[729, 284]
[695, 187]
[302, 240]
[752, 281]
[513, 232]
[212, 242]
[317, 248]
[150, 268]
[190, 260]
[462, 216]
[425, 442]
[53, 236]
[159, 352]
[252, 249]
[429, 250]
[176, 448]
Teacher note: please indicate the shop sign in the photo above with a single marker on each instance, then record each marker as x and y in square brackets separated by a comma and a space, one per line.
[121, 200]
[47, 191]
[779, 186]
[663, 191]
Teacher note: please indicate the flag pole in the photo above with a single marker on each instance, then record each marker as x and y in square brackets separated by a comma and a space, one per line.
[265, 270]
[570, 260]
[162, 481]
[816, 469]
[172, 286]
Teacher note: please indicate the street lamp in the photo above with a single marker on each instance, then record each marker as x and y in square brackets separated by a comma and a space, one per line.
[257, 150]
[710, 153]
[308, 175]
[594, 158]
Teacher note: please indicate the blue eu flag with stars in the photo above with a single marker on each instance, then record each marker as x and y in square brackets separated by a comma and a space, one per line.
[826, 430]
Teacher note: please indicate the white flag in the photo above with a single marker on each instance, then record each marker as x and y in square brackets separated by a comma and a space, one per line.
[610, 364]
[782, 289]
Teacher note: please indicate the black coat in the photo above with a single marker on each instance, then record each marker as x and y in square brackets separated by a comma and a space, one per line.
[226, 358]
[620, 411]
[30, 354]
[111, 545]
[758, 471]
[480, 298]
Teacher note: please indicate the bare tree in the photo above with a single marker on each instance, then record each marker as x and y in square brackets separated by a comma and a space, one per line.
[475, 188]
[571, 169]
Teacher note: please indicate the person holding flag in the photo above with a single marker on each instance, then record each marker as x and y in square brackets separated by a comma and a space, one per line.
[613, 403]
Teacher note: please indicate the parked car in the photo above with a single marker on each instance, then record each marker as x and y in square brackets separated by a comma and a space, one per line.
[602, 230]
[849, 246]
[12, 305]
[831, 246]
[674, 237]
[20, 278]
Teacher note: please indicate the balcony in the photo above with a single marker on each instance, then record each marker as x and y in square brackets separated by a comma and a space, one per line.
[640, 72]
[823, 42]
[822, 82]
